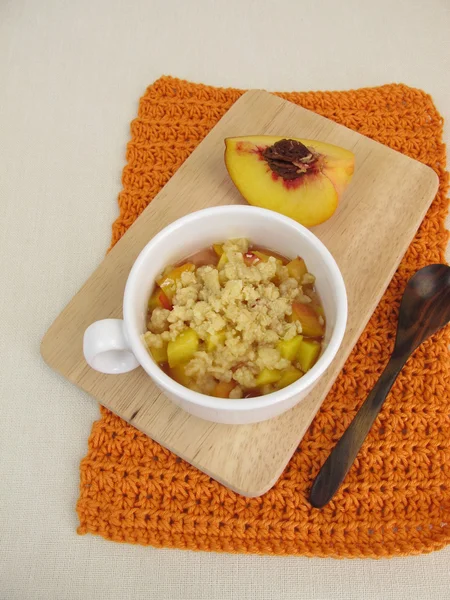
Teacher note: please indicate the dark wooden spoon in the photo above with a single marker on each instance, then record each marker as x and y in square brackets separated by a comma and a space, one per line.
[425, 308]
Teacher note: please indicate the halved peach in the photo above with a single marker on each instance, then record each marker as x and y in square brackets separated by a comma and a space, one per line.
[300, 178]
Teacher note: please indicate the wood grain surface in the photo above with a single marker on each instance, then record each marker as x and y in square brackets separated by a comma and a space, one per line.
[369, 233]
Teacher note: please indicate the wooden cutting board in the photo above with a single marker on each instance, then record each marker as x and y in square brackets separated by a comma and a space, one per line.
[369, 233]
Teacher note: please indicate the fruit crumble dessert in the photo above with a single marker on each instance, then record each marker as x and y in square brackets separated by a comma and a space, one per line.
[235, 321]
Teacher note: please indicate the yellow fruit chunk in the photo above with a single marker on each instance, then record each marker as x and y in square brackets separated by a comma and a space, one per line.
[223, 389]
[289, 348]
[288, 376]
[214, 340]
[297, 268]
[182, 348]
[308, 353]
[218, 249]
[268, 376]
[222, 261]
[168, 282]
[160, 354]
[159, 300]
[300, 178]
[309, 319]
[179, 374]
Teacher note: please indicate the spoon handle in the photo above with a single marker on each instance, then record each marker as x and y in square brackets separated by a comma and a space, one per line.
[341, 458]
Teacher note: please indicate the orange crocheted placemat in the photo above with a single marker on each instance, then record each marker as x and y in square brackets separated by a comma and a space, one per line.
[398, 496]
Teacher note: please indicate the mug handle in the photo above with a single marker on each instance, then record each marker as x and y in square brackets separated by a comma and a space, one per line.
[106, 348]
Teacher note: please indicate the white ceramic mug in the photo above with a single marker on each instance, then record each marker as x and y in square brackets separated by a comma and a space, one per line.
[115, 346]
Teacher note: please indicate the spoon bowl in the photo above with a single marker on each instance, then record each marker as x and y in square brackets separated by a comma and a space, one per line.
[425, 307]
